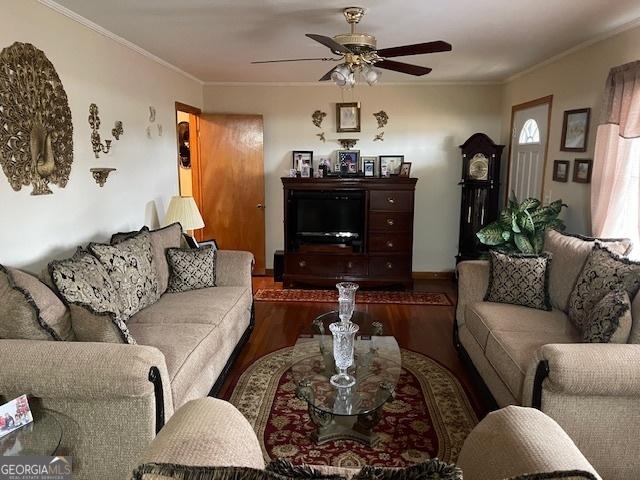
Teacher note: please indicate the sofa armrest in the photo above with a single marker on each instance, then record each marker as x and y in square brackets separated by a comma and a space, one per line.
[598, 369]
[233, 268]
[516, 441]
[473, 280]
[206, 432]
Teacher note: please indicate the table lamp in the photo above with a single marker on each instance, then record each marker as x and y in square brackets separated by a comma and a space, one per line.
[185, 211]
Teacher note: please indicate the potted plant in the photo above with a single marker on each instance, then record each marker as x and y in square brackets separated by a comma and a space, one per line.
[521, 226]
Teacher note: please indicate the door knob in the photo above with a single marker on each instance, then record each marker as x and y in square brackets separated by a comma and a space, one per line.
[260, 206]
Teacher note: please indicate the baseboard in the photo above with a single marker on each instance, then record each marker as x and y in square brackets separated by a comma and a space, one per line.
[268, 272]
[433, 275]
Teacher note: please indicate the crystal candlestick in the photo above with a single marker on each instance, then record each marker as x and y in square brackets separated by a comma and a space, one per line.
[346, 300]
[344, 334]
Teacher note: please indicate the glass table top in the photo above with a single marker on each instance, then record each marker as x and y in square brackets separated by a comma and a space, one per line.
[40, 437]
[377, 367]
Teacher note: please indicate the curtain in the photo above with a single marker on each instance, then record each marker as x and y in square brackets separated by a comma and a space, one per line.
[615, 189]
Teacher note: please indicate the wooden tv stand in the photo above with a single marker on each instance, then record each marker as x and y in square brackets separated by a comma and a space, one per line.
[383, 257]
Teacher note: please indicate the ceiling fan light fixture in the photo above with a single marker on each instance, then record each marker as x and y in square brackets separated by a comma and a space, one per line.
[341, 75]
[371, 75]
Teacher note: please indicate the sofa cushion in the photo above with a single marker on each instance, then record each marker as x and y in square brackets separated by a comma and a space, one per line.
[570, 253]
[86, 287]
[603, 272]
[191, 269]
[482, 317]
[161, 240]
[207, 305]
[610, 320]
[519, 279]
[511, 352]
[29, 310]
[131, 267]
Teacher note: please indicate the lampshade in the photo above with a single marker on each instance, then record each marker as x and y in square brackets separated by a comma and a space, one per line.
[185, 211]
[371, 75]
[341, 75]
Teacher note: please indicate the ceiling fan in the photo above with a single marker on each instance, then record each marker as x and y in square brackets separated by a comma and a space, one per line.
[359, 55]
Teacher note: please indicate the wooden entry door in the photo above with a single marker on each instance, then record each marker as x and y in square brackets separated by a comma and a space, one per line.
[229, 183]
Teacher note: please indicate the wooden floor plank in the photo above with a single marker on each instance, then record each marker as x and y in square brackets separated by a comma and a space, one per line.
[422, 328]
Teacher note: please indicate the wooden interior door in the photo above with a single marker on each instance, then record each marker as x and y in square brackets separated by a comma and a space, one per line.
[229, 185]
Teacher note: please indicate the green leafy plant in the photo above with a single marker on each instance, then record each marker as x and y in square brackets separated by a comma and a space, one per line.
[521, 226]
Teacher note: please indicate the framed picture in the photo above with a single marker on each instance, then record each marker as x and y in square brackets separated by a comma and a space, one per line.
[575, 130]
[348, 161]
[561, 170]
[391, 163]
[365, 159]
[300, 158]
[582, 170]
[405, 169]
[305, 171]
[193, 243]
[348, 117]
[369, 168]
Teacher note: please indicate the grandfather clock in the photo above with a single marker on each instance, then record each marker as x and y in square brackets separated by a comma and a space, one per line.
[480, 184]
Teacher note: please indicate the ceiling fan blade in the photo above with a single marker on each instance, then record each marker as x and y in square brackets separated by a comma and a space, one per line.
[327, 76]
[323, 59]
[329, 42]
[416, 49]
[403, 67]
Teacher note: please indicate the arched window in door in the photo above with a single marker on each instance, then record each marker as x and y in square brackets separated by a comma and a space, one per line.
[530, 133]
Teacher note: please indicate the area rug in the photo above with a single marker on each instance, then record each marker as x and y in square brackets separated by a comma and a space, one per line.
[429, 417]
[331, 296]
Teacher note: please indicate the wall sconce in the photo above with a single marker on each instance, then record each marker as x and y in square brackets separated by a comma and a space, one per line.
[117, 130]
[100, 175]
[94, 123]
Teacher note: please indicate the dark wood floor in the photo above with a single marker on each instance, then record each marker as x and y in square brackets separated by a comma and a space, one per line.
[424, 329]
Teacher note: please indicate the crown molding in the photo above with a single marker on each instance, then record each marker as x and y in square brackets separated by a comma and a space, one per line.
[331, 84]
[116, 38]
[576, 48]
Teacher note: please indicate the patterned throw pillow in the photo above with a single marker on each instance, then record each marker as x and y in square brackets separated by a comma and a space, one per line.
[131, 267]
[85, 286]
[610, 320]
[603, 272]
[191, 269]
[559, 475]
[29, 310]
[519, 279]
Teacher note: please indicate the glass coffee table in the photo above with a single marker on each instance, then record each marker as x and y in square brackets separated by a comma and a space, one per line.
[351, 412]
[42, 437]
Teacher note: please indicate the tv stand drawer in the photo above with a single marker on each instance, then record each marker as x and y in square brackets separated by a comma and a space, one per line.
[390, 243]
[326, 265]
[390, 266]
[391, 201]
[390, 221]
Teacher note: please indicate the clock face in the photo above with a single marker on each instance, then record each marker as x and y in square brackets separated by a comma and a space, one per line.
[479, 167]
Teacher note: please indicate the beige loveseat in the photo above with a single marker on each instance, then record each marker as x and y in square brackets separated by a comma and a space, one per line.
[534, 358]
[510, 442]
[112, 399]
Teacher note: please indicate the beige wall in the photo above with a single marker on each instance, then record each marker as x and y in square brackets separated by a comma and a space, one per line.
[575, 81]
[123, 83]
[427, 123]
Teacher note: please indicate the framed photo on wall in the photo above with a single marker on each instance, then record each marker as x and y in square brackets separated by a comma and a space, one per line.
[390, 164]
[348, 117]
[582, 170]
[348, 161]
[561, 170]
[300, 158]
[575, 130]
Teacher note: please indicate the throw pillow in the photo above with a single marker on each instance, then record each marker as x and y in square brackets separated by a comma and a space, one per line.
[132, 270]
[519, 279]
[191, 269]
[563, 475]
[29, 310]
[570, 253]
[610, 320]
[161, 240]
[603, 272]
[86, 287]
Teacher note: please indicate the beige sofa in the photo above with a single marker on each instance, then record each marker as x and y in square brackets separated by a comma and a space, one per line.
[507, 443]
[112, 399]
[534, 358]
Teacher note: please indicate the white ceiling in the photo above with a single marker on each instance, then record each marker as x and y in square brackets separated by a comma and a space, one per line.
[215, 40]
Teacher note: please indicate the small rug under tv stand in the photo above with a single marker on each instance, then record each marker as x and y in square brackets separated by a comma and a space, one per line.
[357, 229]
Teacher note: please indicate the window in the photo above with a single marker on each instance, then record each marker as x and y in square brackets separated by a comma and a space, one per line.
[530, 133]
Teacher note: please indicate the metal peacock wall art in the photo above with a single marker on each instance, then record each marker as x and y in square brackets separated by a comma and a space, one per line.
[36, 133]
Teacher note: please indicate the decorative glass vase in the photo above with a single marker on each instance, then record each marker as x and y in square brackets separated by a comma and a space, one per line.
[344, 334]
[346, 300]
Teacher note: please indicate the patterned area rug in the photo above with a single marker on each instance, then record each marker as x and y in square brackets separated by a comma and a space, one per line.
[331, 296]
[429, 417]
